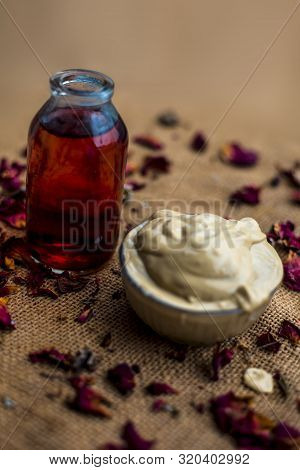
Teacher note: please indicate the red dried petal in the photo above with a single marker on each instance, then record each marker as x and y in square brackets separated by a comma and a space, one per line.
[199, 407]
[161, 405]
[130, 169]
[292, 174]
[247, 195]
[44, 292]
[122, 378]
[133, 440]
[283, 233]
[292, 272]
[7, 290]
[237, 155]
[3, 278]
[286, 437]
[149, 142]
[158, 404]
[267, 342]
[160, 388]
[6, 322]
[234, 415]
[17, 249]
[178, 354]
[67, 282]
[281, 382]
[51, 356]
[296, 197]
[155, 165]
[10, 175]
[290, 331]
[12, 212]
[106, 341]
[87, 399]
[199, 142]
[85, 315]
[113, 446]
[221, 358]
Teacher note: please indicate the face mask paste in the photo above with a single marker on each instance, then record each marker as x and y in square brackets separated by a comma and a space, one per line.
[203, 258]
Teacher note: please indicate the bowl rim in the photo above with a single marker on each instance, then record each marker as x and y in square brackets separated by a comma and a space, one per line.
[173, 306]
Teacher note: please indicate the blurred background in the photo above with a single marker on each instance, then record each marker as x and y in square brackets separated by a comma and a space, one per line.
[193, 56]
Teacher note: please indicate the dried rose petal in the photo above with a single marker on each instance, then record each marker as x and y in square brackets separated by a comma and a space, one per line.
[292, 174]
[23, 152]
[113, 446]
[221, 358]
[87, 399]
[10, 175]
[122, 378]
[67, 282]
[267, 342]
[132, 185]
[247, 194]
[130, 169]
[296, 197]
[292, 272]
[234, 415]
[155, 165]
[7, 290]
[51, 356]
[6, 322]
[286, 437]
[281, 382]
[275, 181]
[283, 233]
[12, 212]
[85, 315]
[133, 440]
[106, 341]
[17, 249]
[199, 407]
[136, 368]
[149, 142]
[235, 154]
[198, 142]
[43, 292]
[162, 405]
[3, 278]
[289, 331]
[168, 119]
[160, 388]
[178, 353]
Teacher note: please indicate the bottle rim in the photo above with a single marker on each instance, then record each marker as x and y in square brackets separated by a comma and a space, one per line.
[82, 83]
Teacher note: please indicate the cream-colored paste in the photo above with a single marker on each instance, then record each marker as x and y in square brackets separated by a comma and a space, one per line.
[204, 258]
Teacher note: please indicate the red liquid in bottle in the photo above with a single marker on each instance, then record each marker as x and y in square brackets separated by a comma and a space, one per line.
[74, 187]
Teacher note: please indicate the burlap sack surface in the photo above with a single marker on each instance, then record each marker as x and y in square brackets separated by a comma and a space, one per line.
[42, 420]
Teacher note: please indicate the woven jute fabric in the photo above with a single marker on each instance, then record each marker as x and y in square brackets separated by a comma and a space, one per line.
[41, 418]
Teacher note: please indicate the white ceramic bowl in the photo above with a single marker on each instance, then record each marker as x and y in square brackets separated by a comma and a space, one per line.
[189, 324]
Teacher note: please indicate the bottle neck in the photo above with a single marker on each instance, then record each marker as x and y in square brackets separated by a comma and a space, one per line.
[78, 87]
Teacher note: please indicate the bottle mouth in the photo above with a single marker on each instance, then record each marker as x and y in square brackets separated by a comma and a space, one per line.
[82, 83]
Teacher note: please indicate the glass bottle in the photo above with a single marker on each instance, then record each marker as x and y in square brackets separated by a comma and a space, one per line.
[77, 150]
